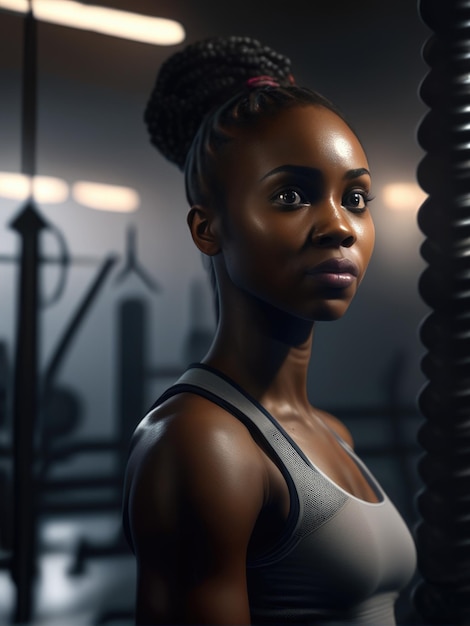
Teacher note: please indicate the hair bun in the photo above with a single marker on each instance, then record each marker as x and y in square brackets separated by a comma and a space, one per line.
[199, 78]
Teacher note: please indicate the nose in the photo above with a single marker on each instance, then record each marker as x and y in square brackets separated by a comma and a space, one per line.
[332, 228]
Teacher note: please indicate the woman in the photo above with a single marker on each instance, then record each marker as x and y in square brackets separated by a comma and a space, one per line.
[244, 503]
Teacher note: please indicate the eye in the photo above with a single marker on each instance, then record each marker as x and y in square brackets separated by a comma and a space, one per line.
[356, 201]
[290, 198]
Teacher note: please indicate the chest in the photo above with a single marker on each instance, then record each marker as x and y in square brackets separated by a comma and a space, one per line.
[320, 448]
[333, 458]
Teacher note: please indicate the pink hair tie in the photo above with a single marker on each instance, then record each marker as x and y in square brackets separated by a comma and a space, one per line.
[262, 81]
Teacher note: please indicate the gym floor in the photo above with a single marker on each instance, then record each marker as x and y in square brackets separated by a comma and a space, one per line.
[75, 591]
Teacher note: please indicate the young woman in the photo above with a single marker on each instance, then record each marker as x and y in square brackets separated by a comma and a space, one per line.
[244, 504]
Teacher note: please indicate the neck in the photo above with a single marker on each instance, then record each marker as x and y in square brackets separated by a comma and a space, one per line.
[266, 351]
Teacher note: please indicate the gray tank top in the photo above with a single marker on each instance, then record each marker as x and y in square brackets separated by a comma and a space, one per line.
[340, 560]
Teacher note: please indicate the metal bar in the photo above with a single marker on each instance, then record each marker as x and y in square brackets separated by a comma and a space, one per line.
[131, 372]
[29, 96]
[28, 224]
[76, 320]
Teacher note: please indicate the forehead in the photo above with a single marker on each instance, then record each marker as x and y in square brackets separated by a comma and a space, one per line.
[302, 135]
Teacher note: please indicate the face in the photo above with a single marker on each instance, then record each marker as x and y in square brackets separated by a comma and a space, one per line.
[296, 231]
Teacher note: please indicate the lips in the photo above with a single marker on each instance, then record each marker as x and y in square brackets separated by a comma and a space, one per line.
[337, 273]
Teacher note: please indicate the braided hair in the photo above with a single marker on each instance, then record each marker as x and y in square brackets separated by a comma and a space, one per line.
[204, 91]
[202, 94]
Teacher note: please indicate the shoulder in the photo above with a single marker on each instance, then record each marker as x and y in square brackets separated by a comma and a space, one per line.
[337, 427]
[195, 430]
[194, 489]
[191, 454]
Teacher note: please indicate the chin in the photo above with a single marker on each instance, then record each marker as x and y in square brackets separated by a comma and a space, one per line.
[328, 317]
[330, 312]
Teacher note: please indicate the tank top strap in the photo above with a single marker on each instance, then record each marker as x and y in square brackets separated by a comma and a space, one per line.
[226, 393]
[313, 498]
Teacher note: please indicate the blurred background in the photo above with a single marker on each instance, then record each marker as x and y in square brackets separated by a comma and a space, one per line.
[124, 302]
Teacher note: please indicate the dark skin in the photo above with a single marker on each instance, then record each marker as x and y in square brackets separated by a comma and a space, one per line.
[201, 493]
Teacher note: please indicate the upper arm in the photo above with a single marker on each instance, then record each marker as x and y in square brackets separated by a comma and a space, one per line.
[194, 500]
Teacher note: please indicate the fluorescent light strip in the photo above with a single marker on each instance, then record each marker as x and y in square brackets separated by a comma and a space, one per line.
[52, 190]
[18, 6]
[124, 24]
[45, 189]
[106, 197]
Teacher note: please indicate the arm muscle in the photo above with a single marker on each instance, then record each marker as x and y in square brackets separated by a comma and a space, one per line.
[195, 496]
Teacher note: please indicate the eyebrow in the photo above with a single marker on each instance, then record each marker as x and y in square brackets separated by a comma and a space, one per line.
[357, 173]
[302, 170]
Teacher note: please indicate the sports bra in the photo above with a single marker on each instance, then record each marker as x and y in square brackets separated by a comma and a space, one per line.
[340, 560]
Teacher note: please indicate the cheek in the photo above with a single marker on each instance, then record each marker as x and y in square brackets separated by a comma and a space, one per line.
[365, 234]
[257, 254]
[371, 236]
[254, 233]
[364, 228]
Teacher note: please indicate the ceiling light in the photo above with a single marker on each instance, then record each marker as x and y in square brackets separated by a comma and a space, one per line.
[403, 196]
[45, 189]
[106, 197]
[103, 20]
[19, 6]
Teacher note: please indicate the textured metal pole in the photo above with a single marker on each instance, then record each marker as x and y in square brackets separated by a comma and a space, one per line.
[443, 596]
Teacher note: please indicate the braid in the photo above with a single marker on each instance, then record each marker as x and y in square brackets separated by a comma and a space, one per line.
[200, 78]
[203, 93]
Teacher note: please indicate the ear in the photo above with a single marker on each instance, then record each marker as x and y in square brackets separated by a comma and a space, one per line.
[202, 223]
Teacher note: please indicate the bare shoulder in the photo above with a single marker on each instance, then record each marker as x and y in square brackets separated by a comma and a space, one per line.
[193, 444]
[194, 428]
[195, 486]
[338, 427]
